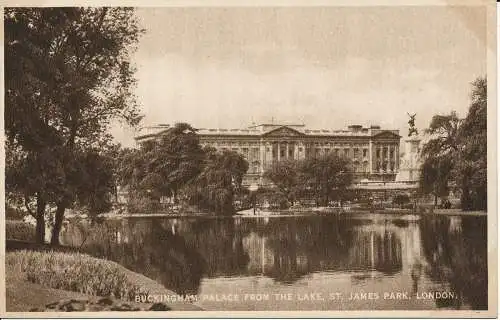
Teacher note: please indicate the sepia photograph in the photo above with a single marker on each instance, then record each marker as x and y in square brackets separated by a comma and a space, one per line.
[174, 160]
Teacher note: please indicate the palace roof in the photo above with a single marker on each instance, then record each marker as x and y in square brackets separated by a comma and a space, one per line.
[269, 129]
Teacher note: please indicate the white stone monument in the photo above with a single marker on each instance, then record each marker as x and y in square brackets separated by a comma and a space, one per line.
[409, 169]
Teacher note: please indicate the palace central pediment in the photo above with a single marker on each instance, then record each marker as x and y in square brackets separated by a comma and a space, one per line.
[283, 132]
[386, 135]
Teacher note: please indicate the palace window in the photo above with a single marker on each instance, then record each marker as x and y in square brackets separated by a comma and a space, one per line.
[245, 152]
[356, 153]
[378, 153]
[300, 149]
[365, 153]
[255, 167]
[327, 150]
[255, 153]
[337, 151]
[346, 152]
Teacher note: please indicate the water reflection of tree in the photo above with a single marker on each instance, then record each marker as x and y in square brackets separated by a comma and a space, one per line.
[220, 242]
[457, 255]
[151, 248]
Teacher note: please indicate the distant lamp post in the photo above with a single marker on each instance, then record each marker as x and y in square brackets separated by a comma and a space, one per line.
[253, 189]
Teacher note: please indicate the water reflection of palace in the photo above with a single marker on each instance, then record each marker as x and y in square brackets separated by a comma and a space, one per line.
[384, 248]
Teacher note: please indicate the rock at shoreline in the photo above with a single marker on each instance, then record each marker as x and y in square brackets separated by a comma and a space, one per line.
[159, 307]
[101, 304]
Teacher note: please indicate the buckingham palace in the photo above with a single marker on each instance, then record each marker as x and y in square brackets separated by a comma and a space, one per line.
[374, 151]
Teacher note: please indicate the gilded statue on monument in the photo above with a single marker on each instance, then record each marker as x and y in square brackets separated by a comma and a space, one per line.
[412, 130]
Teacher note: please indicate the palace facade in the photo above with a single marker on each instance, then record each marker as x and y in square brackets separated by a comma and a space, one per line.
[374, 151]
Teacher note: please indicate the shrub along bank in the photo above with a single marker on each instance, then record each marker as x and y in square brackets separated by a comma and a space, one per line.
[74, 272]
[19, 230]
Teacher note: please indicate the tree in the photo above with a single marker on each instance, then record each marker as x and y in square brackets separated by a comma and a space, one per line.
[435, 176]
[68, 75]
[285, 176]
[438, 154]
[163, 167]
[401, 199]
[97, 182]
[31, 182]
[470, 171]
[457, 153]
[220, 180]
[327, 176]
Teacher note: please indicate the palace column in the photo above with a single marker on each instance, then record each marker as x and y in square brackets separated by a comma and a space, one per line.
[300, 155]
[287, 151]
[279, 151]
[389, 148]
[381, 157]
[269, 153]
[295, 151]
[370, 156]
[262, 156]
[395, 149]
[396, 157]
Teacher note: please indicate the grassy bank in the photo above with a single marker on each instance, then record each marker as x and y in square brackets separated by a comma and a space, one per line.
[41, 274]
[73, 272]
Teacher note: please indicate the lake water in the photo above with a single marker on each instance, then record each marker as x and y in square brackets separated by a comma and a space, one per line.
[355, 262]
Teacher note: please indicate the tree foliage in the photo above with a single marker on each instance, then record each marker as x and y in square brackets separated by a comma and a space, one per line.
[470, 171]
[162, 167]
[456, 153]
[175, 165]
[285, 176]
[328, 177]
[221, 178]
[68, 74]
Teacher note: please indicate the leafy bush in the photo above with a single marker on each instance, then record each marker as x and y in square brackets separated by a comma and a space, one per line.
[12, 213]
[74, 272]
[408, 206]
[19, 230]
[401, 199]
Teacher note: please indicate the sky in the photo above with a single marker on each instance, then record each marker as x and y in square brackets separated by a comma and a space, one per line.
[326, 67]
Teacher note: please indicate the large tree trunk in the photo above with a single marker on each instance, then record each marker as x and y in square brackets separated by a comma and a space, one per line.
[465, 198]
[61, 208]
[40, 220]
